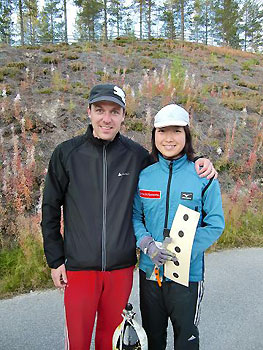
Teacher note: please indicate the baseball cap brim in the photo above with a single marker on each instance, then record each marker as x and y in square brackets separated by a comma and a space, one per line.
[172, 123]
[107, 98]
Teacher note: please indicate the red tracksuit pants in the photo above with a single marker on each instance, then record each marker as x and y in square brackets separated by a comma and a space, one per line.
[91, 293]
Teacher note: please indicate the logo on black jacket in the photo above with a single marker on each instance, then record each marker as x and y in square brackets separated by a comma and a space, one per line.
[123, 174]
[188, 196]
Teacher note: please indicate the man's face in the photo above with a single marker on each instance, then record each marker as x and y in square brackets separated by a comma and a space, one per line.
[106, 118]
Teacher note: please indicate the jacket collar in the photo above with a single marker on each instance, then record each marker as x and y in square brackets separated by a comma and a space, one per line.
[97, 141]
[177, 163]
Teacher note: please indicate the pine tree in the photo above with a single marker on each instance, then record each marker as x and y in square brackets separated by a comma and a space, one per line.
[227, 20]
[202, 20]
[65, 21]
[88, 18]
[169, 18]
[6, 9]
[176, 17]
[30, 20]
[251, 27]
[118, 15]
[21, 21]
[140, 4]
[196, 23]
[150, 7]
[105, 24]
[51, 25]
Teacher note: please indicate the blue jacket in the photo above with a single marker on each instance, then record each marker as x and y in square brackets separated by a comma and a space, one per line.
[185, 188]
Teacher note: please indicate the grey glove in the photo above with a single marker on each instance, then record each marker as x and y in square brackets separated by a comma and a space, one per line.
[155, 251]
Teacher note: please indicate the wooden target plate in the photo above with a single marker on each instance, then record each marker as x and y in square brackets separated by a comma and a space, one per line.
[182, 234]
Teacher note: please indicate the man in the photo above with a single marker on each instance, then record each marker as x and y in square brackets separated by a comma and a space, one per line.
[94, 178]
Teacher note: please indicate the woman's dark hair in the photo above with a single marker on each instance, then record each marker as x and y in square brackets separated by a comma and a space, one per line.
[188, 148]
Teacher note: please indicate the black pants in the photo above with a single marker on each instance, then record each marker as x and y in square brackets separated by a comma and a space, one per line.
[172, 300]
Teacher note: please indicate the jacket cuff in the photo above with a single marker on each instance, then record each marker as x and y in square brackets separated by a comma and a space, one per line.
[57, 263]
[145, 243]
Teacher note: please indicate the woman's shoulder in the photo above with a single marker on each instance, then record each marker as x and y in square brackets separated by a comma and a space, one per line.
[150, 169]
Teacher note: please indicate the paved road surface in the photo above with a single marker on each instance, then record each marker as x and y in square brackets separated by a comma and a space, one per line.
[231, 317]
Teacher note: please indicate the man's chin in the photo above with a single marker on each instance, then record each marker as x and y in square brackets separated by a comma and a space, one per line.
[106, 136]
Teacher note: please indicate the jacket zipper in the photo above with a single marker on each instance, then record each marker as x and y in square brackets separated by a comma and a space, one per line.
[166, 231]
[104, 214]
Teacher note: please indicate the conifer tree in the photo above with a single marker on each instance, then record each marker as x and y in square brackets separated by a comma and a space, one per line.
[169, 18]
[51, 24]
[202, 21]
[227, 21]
[251, 26]
[88, 18]
[6, 9]
[150, 7]
[30, 21]
[105, 23]
[118, 15]
[21, 21]
[65, 21]
[140, 4]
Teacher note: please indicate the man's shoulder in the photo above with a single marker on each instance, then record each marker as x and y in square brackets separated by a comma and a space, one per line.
[73, 142]
[134, 146]
[66, 147]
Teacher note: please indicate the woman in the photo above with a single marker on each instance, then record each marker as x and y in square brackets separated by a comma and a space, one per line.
[171, 181]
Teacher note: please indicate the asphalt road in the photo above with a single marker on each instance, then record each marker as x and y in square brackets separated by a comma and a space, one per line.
[231, 316]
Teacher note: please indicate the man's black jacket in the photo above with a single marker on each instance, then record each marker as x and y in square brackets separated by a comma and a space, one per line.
[94, 181]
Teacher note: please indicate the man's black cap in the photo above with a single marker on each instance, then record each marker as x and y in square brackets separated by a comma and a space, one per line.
[107, 92]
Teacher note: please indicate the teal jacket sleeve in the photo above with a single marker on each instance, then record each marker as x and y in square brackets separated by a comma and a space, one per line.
[138, 219]
[212, 221]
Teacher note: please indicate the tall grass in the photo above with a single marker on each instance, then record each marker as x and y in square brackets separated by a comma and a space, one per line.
[22, 262]
[243, 217]
[23, 267]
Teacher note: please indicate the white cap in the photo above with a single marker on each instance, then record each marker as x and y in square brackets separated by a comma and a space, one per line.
[171, 115]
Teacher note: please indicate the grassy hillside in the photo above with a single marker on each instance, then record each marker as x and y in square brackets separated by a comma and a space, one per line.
[43, 100]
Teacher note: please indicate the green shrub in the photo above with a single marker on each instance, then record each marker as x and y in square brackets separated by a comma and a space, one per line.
[248, 85]
[234, 104]
[235, 77]
[177, 73]
[48, 49]
[19, 65]
[159, 54]
[146, 63]
[45, 90]
[71, 55]
[77, 66]
[122, 70]
[11, 72]
[218, 68]
[134, 125]
[50, 59]
[247, 65]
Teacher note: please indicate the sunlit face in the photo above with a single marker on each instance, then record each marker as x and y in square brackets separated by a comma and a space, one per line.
[106, 118]
[170, 141]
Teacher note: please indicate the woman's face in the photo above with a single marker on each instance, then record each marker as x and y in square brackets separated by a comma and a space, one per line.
[170, 141]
